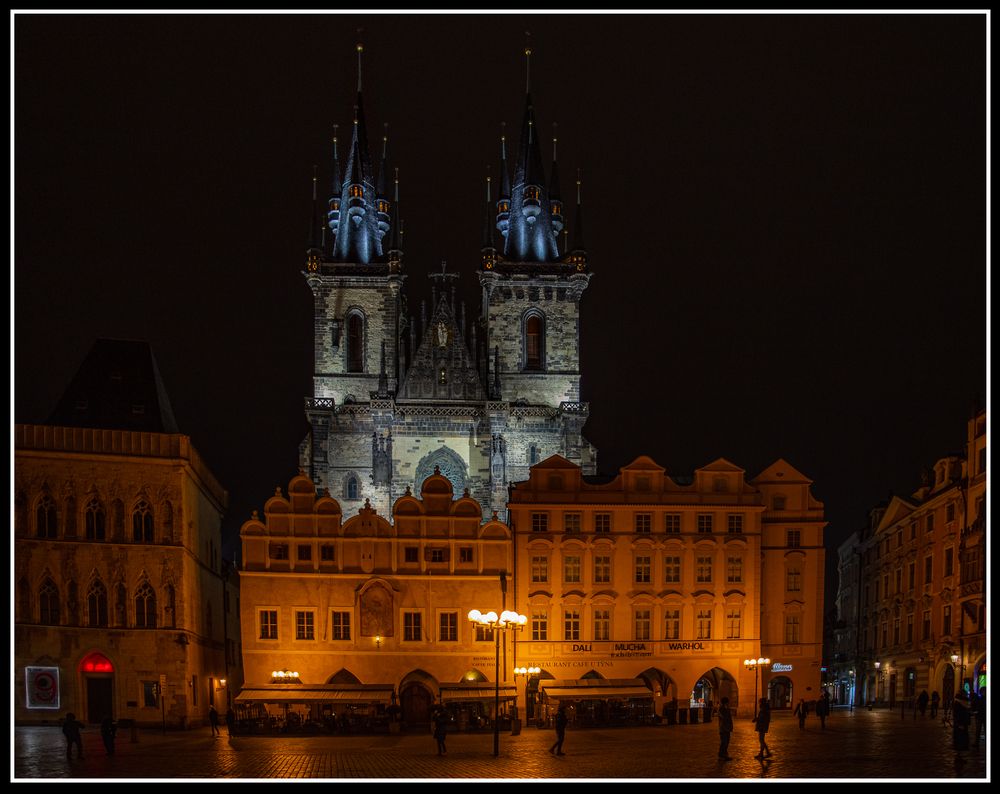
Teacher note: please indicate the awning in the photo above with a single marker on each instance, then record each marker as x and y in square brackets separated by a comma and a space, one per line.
[325, 693]
[483, 693]
[596, 692]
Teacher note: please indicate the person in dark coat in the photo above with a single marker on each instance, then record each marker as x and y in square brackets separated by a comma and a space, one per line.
[213, 719]
[823, 710]
[763, 722]
[801, 711]
[922, 703]
[561, 720]
[108, 729]
[961, 717]
[71, 730]
[230, 721]
[725, 729]
[935, 702]
[441, 730]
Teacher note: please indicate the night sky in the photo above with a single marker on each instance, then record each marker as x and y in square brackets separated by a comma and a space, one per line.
[785, 217]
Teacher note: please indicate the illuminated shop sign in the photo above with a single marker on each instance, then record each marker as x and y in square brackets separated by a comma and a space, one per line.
[778, 667]
[42, 687]
[632, 649]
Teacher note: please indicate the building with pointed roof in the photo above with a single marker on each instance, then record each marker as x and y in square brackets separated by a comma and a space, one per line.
[396, 393]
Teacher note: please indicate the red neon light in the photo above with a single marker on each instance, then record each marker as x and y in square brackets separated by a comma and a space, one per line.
[97, 663]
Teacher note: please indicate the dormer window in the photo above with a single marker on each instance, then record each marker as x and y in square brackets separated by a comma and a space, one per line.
[503, 206]
[355, 191]
[383, 206]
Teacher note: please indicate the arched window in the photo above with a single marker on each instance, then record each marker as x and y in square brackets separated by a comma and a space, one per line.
[352, 487]
[48, 603]
[142, 522]
[46, 521]
[95, 520]
[97, 604]
[355, 342]
[145, 607]
[117, 520]
[534, 342]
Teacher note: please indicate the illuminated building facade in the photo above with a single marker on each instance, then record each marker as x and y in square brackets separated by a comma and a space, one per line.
[912, 583]
[670, 584]
[122, 605]
[370, 614]
[398, 393]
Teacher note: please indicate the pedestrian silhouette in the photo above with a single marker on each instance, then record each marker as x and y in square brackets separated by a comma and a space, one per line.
[801, 711]
[441, 729]
[725, 729]
[556, 749]
[922, 703]
[979, 712]
[213, 720]
[960, 719]
[763, 722]
[823, 710]
[230, 721]
[71, 730]
[108, 729]
[935, 702]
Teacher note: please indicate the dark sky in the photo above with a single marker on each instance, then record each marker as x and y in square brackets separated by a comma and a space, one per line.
[785, 215]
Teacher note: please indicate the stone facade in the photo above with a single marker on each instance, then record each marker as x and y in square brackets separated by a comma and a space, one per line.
[672, 582]
[918, 605]
[118, 579]
[357, 601]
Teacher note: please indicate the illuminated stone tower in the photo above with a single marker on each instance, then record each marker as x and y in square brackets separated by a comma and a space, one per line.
[479, 402]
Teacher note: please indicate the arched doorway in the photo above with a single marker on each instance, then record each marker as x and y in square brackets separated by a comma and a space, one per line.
[416, 702]
[779, 692]
[713, 685]
[98, 682]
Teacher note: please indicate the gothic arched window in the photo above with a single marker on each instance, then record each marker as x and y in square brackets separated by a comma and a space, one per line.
[46, 520]
[95, 520]
[142, 522]
[117, 520]
[355, 342]
[145, 607]
[534, 342]
[170, 610]
[48, 603]
[70, 528]
[352, 487]
[97, 604]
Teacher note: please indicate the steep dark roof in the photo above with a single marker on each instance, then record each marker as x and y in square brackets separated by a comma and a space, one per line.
[117, 387]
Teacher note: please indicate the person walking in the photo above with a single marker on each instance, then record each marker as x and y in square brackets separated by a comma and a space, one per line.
[561, 720]
[71, 730]
[763, 722]
[922, 703]
[823, 709]
[960, 719]
[441, 730]
[935, 702]
[213, 720]
[230, 720]
[801, 711]
[108, 729]
[725, 729]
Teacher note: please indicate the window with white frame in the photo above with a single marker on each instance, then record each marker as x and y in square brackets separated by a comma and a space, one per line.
[602, 569]
[448, 627]
[672, 523]
[734, 569]
[539, 522]
[602, 624]
[672, 624]
[571, 624]
[705, 523]
[703, 623]
[734, 524]
[412, 627]
[643, 568]
[643, 523]
[602, 523]
[642, 624]
[539, 625]
[703, 569]
[268, 620]
[792, 634]
[305, 628]
[672, 568]
[734, 621]
[571, 568]
[539, 568]
[793, 580]
[793, 538]
[340, 625]
[572, 522]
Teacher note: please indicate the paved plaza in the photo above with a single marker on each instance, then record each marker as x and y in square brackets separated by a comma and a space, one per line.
[856, 745]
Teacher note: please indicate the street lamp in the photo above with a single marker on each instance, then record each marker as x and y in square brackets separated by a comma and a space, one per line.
[755, 665]
[878, 677]
[507, 621]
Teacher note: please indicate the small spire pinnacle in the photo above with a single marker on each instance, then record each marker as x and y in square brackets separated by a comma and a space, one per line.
[360, 50]
[395, 196]
[527, 62]
[385, 139]
[554, 139]
[578, 186]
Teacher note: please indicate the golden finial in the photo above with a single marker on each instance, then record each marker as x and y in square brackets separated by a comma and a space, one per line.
[527, 59]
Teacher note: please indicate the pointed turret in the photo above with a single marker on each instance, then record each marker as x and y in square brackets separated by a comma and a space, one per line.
[503, 194]
[395, 252]
[578, 255]
[358, 240]
[383, 198]
[489, 250]
[333, 215]
[314, 254]
[555, 201]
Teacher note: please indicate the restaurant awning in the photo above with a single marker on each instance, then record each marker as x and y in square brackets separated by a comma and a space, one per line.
[595, 688]
[480, 691]
[317, 693]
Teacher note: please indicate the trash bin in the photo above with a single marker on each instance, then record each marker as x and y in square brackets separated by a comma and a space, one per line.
[683, 716]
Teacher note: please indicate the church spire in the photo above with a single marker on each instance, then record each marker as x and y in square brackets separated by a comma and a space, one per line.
[314, 255]
[333, 216]
[578, 256]
[503, 193]
[489, 248]
[359, 234]
[396, 234]
[382, 199]
[555, 202]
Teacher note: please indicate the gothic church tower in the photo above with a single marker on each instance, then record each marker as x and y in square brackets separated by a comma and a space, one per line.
[392, 404]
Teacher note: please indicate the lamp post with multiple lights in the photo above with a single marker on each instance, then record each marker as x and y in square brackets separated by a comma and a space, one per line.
[755, 665]
[506, 621]
[527, 673]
